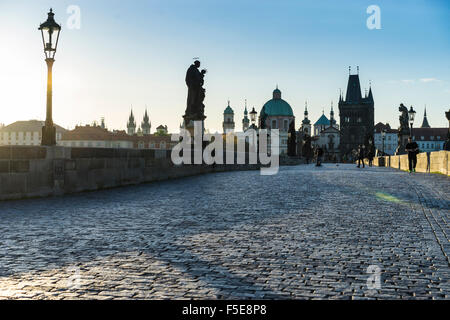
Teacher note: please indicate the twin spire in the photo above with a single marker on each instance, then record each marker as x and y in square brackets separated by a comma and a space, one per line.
[145, 124]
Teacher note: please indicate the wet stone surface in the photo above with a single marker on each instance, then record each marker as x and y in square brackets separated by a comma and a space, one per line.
[306, 233]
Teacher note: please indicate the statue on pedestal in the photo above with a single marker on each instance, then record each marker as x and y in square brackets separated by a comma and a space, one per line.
[196, 94]
[447, 142]
[403, 130]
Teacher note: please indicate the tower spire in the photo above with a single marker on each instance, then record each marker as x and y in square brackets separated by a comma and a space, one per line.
[425, 123]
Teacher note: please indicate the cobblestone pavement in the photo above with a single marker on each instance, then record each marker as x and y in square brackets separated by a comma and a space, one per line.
[306, 233]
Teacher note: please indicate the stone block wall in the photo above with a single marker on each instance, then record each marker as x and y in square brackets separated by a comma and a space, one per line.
[439, 162]
[423, 160]
[43, 171]
[434, 162]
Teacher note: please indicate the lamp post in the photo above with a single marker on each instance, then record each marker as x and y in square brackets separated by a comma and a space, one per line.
[253, 117]
[383, 137]
[411, 114]
[253, 126]
[50, 35]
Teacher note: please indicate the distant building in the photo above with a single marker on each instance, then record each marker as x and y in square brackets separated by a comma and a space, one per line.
[356, 116]
[277, 114]
[95, 137]
[390, 139]
[327, 136]
[430, 139]
[322, 123]
[228, 119]
[162, 130]
[153, 141]
[26, 133]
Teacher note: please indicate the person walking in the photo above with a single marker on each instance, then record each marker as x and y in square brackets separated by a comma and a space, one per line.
[361, 155]
[319, 154]
[370, 157]
[413, 149]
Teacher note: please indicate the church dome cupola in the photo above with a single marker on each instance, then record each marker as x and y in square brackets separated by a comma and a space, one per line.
[277, 94]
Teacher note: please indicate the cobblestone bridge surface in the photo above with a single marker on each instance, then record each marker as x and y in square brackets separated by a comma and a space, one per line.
[304, 233]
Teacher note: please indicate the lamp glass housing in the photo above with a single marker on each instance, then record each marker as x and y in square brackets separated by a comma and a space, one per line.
[50, 31]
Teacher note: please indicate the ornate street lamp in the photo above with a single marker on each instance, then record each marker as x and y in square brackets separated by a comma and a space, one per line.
[411, 114]
[50, 35]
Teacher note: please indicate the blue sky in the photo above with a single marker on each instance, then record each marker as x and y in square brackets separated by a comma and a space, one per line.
[137, 52]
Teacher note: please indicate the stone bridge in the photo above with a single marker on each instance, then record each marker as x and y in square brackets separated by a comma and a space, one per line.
[335, 232]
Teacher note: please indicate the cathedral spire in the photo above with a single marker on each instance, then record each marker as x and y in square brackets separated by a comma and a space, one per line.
[131, 124]
[146, 125]
[425, 123]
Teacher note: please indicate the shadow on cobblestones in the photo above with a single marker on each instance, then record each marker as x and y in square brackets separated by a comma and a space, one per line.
[304, 233]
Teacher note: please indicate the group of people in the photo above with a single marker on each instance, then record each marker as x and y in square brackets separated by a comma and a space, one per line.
[411, 147]
[361, 154]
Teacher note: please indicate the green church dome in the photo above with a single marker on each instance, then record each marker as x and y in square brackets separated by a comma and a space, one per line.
[228, 109]
[323, 121]
[276, 106]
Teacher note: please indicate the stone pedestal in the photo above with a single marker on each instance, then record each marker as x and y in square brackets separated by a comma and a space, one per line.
[402, 141]
[48, 135]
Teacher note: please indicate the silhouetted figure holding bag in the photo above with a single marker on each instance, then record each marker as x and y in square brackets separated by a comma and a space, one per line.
[413, 149]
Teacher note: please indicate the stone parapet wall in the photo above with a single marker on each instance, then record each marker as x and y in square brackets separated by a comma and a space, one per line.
[44, 171]
[434, 162]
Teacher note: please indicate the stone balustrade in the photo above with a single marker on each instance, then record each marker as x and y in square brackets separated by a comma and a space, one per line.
[427, 162]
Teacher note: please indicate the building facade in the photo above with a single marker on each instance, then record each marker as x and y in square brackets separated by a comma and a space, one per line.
[390, 143]
[356, 116]
[327, 136]
[97, 137]
[93, 136]
[26, 133]
[430, 139]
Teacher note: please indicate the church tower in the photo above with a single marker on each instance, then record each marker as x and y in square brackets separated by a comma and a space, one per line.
[425, 120]
[228, 119]
[245, 120]
[306, 123]
[356, 116]
[146, 125]
[332, 120]
[131, 125]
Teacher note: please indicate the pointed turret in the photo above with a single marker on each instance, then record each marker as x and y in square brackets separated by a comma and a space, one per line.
[425, 123]
[353, 89]
[131, 124]
[370, 96]
[306, 123]
[245, 120]
[305, 119]
[146, 125]
[332, 121]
